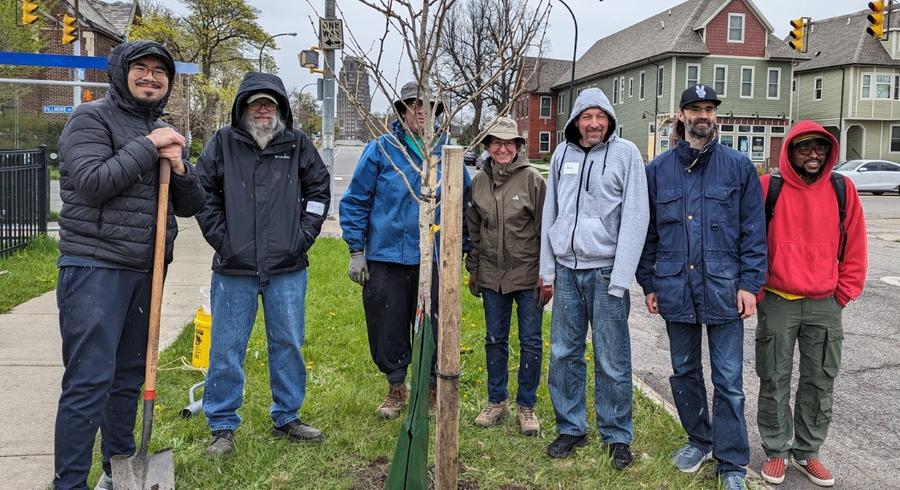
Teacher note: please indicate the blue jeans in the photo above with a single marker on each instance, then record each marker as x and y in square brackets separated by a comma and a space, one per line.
[234, 304]
[497, 316]
[727, 435]
[581, 297]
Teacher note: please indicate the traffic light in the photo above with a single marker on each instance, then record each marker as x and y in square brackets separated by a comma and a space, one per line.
[876, 20]
[798, 26]
[68, 31]
[28, 8]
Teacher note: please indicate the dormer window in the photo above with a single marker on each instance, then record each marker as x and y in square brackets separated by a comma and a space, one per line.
[735, 28]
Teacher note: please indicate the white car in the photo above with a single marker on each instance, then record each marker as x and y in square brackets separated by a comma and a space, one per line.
[875, 176]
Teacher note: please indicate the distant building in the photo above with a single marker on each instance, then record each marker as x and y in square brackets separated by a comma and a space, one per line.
[354, 100]
[536, 109]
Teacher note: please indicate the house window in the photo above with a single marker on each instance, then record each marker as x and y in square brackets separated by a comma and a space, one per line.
[743, 129]
[692, 77]
[866, 87]
[615, 91]
[726, 128]
[720, 79]
[641, 86]
[759, 129]
[727, 140]
[777, 129]
[622, 89]
[897, 87]
[620, 131]
[660, 71]
[544, 142]
[735, 28]
[774, 84]
[817, 88]
[545, 106]
[757, 150]
[882, 87]
[561, 103]
[794, 85]
[746, 82]
[630, 86]
[895, 139]
[743, 144]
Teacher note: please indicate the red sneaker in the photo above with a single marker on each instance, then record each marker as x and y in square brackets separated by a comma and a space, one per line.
[815, 471]
[773, 470]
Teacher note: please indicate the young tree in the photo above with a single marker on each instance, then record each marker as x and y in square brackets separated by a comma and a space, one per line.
[306, 110]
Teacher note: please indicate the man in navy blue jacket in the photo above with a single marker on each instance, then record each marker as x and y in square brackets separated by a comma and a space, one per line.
[704, 261]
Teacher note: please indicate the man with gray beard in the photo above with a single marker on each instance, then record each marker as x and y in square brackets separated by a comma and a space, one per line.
[267, 194]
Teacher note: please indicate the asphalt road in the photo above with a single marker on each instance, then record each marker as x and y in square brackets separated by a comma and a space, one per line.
[863, 444]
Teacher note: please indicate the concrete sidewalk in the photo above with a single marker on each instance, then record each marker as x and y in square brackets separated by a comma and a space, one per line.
[31, 359]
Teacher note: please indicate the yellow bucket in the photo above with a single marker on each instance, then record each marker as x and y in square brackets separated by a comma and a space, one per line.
[202, 330]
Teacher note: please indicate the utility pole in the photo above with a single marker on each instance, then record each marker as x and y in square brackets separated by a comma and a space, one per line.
[76, 50]
[328, 96]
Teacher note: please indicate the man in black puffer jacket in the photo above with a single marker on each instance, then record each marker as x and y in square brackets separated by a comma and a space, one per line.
[267, 195]
[109, 183]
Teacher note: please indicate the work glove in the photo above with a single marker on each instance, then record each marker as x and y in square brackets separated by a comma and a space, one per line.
[545, 292]
[359, 269]
[473, 287]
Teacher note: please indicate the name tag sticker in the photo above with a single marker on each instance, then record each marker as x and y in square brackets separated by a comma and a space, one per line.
[570, 168]
[316, 208]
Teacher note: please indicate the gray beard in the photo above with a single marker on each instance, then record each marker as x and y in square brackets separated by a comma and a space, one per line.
[263, 134]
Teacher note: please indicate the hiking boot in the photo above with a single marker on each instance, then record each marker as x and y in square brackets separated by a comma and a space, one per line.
[297, 431]
[492, 414]
[564, 445]
[620, 454]
[222, 443]
[733, 481]
[815, 471]
[690, 458]
[104, 483]
[773, 470]
[529, 424]
[394, 402]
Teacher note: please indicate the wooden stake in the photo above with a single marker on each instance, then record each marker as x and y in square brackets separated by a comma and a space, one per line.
[447, 436]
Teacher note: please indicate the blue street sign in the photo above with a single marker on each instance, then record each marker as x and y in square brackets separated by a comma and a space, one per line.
[57, 109]
[70, 61]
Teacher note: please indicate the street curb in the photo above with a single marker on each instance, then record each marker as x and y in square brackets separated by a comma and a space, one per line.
[668, 407]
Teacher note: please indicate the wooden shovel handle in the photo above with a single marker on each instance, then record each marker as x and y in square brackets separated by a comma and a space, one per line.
[159, 256]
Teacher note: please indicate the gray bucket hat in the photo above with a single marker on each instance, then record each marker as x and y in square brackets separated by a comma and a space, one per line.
[503, 128]
[410, 92]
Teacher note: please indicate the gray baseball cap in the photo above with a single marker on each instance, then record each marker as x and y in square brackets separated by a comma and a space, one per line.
[410, 92]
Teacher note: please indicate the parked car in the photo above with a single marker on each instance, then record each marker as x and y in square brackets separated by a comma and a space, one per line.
[875, 176]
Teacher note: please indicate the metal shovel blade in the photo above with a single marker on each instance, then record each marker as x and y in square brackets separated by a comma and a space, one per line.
[144, 471]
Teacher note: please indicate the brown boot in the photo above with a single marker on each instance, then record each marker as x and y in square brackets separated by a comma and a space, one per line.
[393, 404]
[492, 414]
[528, 421]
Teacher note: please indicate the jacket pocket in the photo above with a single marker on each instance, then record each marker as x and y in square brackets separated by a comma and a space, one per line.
[806, 268]
[831, 361]
[721, 289]
[592, 240]
[669, 282]
[721, 203]
[560, 235]
[669, 205]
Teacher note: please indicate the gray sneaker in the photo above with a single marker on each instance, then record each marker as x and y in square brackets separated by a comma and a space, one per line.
[104, 483]
[733, 481]
[222, 443]
[690, 458]
[297, 431]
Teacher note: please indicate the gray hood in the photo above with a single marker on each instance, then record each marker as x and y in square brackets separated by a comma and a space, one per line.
[588, 98]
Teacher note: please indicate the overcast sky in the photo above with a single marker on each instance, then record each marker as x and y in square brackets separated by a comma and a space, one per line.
[596, 20]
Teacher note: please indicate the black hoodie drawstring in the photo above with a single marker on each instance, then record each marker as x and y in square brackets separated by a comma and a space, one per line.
[587, 183]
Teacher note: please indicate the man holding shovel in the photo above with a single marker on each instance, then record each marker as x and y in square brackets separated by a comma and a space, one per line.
[267, 195]
[111, 152]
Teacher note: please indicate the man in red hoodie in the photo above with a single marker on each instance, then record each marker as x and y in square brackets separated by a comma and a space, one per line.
[813, 273]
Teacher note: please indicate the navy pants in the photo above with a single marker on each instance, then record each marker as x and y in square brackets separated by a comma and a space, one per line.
[103, 320]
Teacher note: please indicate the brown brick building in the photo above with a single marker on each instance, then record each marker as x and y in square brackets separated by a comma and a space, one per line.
[535, 110]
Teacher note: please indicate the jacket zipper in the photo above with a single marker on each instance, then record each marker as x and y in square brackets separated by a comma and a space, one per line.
[577, 205]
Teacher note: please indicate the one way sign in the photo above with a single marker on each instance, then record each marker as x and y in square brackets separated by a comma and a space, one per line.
[331, 33]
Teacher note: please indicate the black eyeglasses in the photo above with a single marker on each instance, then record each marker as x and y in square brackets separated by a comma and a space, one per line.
[143, 70]
[808, 148]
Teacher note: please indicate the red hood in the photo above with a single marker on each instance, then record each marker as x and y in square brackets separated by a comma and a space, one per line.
[784, 163]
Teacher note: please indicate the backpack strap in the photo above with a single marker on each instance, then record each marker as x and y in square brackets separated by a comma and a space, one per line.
[840, 191]
[775, 183]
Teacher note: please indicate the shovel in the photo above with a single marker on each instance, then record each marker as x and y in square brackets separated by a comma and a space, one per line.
[144, 471]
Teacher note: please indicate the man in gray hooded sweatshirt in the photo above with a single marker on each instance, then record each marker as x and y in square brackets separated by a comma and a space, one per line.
[594, 224]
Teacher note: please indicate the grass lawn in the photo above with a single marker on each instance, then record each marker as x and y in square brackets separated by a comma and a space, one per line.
[29, 272]
[344, 387]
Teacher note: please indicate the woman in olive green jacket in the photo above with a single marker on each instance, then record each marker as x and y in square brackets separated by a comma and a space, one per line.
[504, 221]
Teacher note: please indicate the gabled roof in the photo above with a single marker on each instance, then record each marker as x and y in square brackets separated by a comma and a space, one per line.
[712, 10]
[843, 40]
[91, 15]
[119, 14]
[674, 31]
[542, 73]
